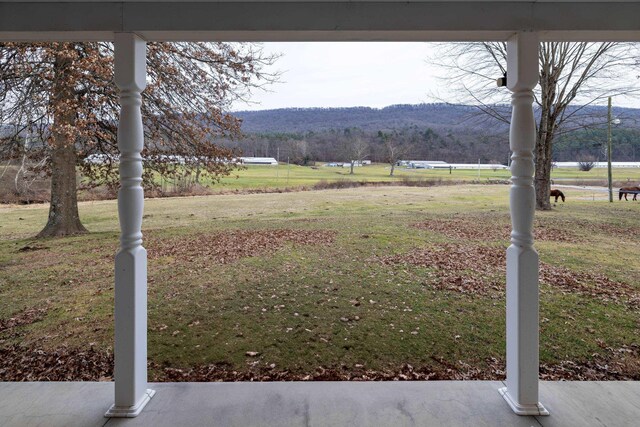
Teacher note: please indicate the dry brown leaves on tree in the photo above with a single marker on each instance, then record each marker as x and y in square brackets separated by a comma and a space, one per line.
[480, 270]
[227, 247]
[487, 230]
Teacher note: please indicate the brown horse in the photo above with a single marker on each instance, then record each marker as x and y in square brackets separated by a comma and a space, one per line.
[628, 190]
[556, 194]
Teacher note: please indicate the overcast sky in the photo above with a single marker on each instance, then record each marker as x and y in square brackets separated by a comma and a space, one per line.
[349, 74]
[345, 74]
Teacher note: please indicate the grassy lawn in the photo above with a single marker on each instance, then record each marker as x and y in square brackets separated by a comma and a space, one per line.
[283, 176]
[363, 280]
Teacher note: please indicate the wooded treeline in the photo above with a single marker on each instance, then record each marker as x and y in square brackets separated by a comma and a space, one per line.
[452, 133]
[333, 145]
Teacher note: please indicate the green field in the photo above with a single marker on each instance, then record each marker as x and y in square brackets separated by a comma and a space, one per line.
[283, 176]
[325, 284]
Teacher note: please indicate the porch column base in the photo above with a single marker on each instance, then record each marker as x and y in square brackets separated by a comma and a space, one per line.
[130, 411]
[519, 409]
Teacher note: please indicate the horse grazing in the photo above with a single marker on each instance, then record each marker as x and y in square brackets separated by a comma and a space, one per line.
[556, 194]
[628, 190]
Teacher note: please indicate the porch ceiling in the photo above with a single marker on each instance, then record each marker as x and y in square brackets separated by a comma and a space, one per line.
[301, 20]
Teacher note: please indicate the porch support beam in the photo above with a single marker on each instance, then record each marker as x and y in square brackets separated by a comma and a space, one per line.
[131, 393]
[521, 391]
[424, 20]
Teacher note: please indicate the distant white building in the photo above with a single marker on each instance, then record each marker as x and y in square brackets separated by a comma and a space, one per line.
[269, 161]
[483, 166]
[426, 164]
[180, 160]
[356, 163]
[439, 164]
[598, 164]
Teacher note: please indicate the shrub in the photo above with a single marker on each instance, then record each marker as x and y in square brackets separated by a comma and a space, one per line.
[585, 164]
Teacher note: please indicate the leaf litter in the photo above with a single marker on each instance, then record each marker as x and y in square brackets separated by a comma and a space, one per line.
[472, 269]
[490, 230]
[480, 270]
[18, 363]
[230, 246]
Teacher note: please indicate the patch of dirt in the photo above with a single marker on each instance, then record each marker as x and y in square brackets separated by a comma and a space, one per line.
[227, 247]
[475, 270]
[23, 318]
[485, 229]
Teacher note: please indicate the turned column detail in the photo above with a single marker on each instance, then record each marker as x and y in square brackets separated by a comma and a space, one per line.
[130, 371]
[521, 391]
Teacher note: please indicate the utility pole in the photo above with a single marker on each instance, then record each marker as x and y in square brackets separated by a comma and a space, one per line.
[288, 169]
[609, 152]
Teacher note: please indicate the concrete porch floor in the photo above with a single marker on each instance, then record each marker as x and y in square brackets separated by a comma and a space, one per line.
[437, 403]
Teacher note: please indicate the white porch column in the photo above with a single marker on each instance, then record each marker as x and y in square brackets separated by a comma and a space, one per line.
[131, 393]
[521, 391]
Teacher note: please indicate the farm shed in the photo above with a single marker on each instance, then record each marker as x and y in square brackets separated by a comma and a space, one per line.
[598, 164]
[270, 161]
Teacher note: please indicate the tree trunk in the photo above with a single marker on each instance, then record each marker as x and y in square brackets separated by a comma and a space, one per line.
[393, 166]
[63, 218]
[544, 142]
[352, 164]
[198, 173]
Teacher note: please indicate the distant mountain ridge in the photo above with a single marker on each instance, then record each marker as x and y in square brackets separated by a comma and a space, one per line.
[365, 118]
[436, 116]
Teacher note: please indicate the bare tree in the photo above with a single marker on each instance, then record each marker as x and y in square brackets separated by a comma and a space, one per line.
[356, 150]
[586, 163]
[570, 73]
[64, 92]
[395, 151]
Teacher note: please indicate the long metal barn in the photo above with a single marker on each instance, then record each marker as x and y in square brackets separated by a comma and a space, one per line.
[520, 400]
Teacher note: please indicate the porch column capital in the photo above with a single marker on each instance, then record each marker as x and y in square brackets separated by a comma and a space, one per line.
[522, 61]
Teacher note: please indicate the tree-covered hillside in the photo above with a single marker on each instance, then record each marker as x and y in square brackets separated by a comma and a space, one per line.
[453, 133]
